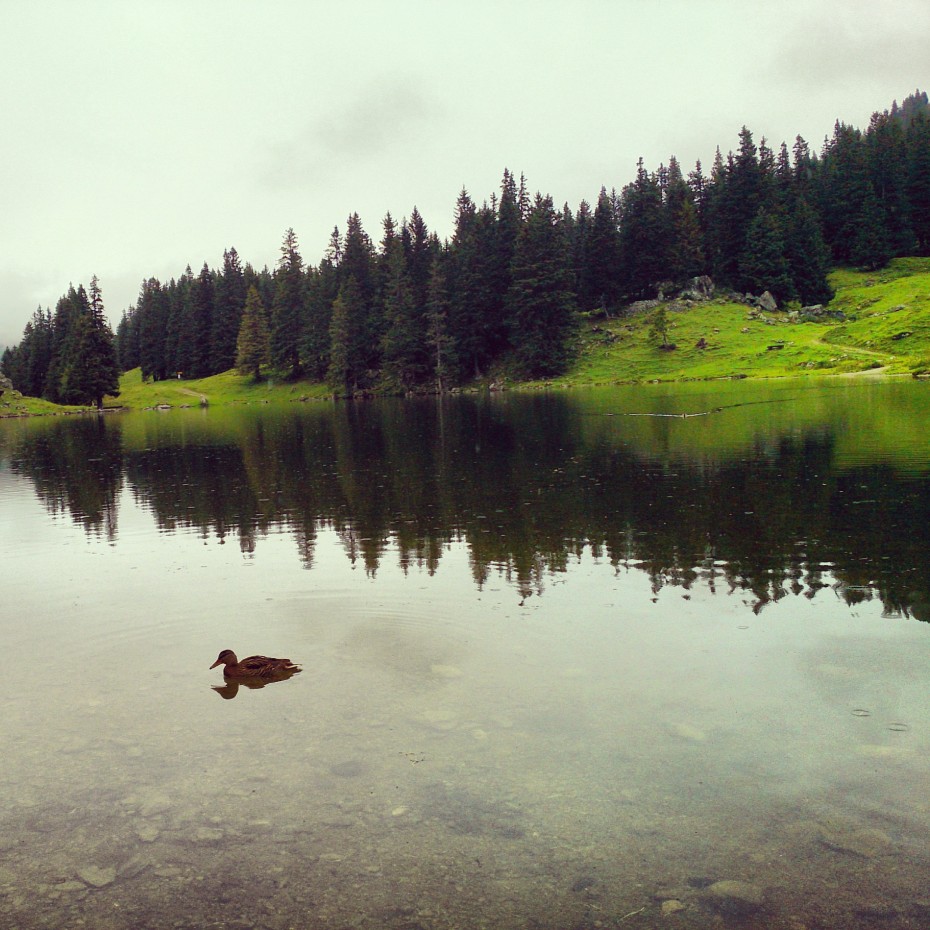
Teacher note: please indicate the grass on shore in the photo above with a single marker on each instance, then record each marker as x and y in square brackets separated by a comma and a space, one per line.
[886, 329]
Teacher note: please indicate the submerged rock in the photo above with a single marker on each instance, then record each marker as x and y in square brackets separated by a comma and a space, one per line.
[96, 876]
[734, 896]
[848, 837]
[147, 832]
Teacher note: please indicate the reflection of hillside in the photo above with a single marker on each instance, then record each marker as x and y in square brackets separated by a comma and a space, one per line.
[528, 482]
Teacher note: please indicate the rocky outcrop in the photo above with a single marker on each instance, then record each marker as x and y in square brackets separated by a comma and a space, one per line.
[767, 302]
[700, 288]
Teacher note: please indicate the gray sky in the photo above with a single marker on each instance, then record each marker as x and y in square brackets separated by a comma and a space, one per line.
[139, 137]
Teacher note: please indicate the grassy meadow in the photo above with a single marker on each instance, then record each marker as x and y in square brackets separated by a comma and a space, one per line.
[886, 330]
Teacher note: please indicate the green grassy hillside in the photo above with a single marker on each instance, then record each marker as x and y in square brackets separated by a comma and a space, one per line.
[886, 327]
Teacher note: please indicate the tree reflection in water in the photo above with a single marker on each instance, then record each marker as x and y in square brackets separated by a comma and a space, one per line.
[528, 482]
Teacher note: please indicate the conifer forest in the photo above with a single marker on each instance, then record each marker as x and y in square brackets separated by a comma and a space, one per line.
[404, 311]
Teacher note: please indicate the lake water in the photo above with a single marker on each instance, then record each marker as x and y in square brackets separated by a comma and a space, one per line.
[627, 657]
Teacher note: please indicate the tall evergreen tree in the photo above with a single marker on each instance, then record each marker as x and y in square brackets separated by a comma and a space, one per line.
[359, 264]
[37, 354]
[93, 370]
[419, 255]
[645, 235]
[807, 254]
[763, 265]
[917, 141]
[541, 301]
[843, 189]
[601, 274]
[201, 322]
[887, 158]
[439, 341]
[68, 311]
[579, 241]
[253, 343]
[229, 302]
[348, 353]
[321, 290]
[180, 332]
[127, 340]
[403, 344]
[685, 249]
[287, 308]
[870, 248]
[465, 289]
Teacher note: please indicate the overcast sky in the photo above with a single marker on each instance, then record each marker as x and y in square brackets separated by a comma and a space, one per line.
[140, 137]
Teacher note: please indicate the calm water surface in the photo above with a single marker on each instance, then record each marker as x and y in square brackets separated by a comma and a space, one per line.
[651, 657]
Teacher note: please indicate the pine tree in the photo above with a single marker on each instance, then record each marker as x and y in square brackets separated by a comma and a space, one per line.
[359, 264]
[807, 254]
[418, 255]
[37, 354]
[843, 188]
[127, 340]
[403, 345]
[440, 343]
[802, 163]
[68, 311]
[465, 289]
[918, 179]
[870, 248]
[287, 308]
[601, 273]
[579, 243]
[322, 288]
[541, 301]
[177, 354]
[645, 235]
[201, 322]
[738, 189]
[658, 328]
[253, 344]
[887, 159]
[229, 301]
[685, 249]
[348, 353]
[91, 370]
[763, 265]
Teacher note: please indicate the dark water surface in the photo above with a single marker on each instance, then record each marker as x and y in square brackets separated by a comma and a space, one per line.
[651, 657]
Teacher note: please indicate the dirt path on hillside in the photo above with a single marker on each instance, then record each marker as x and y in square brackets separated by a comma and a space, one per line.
[203, 397]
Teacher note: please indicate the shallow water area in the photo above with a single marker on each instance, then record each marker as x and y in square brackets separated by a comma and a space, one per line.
[564, 666]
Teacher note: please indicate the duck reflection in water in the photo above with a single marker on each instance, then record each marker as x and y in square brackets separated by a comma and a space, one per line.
[231, 688]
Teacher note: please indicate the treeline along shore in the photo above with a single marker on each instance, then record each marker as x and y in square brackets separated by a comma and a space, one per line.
[503, 295]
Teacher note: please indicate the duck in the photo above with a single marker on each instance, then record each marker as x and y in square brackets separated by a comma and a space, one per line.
[254, 666]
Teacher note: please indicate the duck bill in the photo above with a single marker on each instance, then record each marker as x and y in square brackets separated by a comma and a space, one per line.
[217, 662]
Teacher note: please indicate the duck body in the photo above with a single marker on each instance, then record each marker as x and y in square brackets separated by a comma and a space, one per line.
[254, 666]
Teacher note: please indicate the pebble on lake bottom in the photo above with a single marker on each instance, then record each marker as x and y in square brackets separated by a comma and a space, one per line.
[735, 895]
[96, 876]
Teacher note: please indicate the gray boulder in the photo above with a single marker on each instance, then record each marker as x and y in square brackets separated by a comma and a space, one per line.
[767, 302]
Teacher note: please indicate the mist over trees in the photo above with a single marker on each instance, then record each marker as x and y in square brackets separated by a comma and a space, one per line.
[501, 295]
